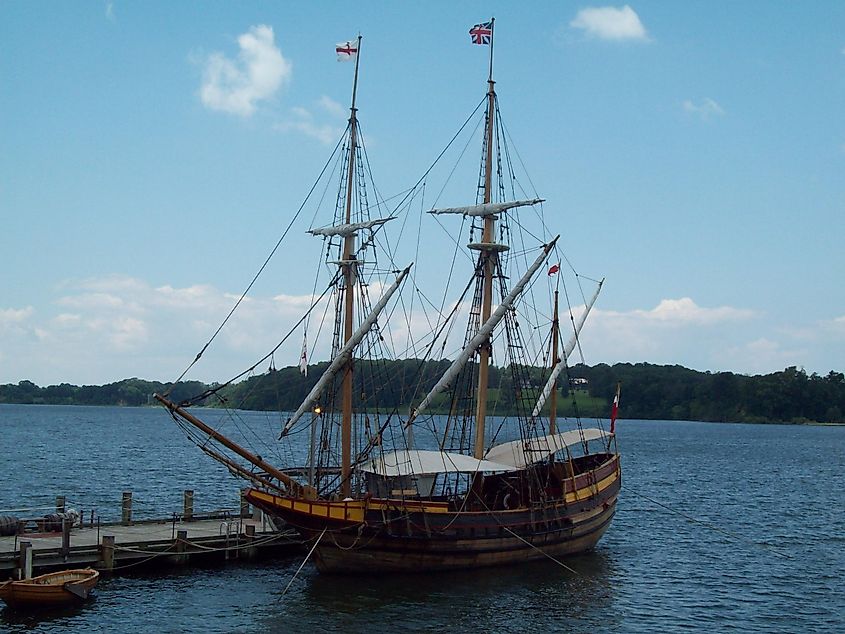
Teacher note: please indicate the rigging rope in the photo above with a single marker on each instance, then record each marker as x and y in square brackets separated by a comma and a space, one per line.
[260, 271]
[217, 388]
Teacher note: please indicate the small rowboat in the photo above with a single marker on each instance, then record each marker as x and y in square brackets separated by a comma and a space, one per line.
[54, 589]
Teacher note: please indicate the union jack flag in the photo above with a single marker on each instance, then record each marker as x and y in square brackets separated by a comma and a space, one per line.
[482, 33]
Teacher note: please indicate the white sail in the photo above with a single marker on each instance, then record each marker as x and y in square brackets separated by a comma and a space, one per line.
[486, 209]
[482, 335]
[349, 229]
[345, 353]
[567, 350]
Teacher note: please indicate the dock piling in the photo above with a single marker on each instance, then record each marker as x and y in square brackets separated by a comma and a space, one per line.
[60, 503]
[181, 546]
[25, 560]
[65, 549]
[244, 504]
[188, 511]
[126, 508]
[107, 552]
[251, 551]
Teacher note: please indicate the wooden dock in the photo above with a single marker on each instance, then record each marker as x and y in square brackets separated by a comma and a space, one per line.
[127, 546]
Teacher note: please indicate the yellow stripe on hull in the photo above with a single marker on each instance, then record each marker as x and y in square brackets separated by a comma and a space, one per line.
[353, 511]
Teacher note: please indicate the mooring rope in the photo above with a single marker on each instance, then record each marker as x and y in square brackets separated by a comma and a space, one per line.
[540, 550]
[307, 557]
[525, 541]
[713, 527]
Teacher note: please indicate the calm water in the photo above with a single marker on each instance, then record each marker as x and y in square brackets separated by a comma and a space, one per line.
[779, 486]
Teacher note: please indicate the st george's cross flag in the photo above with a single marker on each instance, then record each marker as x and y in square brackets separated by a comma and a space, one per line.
[482, 33]
[347, 51]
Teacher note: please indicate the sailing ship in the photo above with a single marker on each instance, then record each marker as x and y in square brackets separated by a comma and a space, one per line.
[429, 483]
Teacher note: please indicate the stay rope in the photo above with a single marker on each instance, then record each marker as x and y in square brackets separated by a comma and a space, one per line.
[260, 270]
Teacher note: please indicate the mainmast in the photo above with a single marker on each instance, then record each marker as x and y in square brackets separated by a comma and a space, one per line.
[349, 276]
[488, 256]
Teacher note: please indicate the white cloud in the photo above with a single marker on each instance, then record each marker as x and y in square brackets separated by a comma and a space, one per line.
[610, 23]
[684, 311]
[234, 86]
[332, 107]
[674, 331]
[128, 333]
[826, 329]
[115, 327]
[110, 10]
[706, 109]
[303, 121]
[758, 356]
[91, 300]
[9, 316]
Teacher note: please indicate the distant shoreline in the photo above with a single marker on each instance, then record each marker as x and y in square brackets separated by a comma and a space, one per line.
[619, 421]
[649, 392]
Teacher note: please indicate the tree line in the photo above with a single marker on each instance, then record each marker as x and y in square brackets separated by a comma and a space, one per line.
[663, 392]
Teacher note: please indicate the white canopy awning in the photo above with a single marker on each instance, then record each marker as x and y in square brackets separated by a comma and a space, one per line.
[519, 454]
[422, 462]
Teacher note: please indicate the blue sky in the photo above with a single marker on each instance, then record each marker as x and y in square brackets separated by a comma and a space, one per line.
[153, 152]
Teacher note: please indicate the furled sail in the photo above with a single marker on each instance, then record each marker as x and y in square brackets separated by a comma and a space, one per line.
[567, 350]
[486, 209]
[350, 228]
[345, 353]
[483, 333]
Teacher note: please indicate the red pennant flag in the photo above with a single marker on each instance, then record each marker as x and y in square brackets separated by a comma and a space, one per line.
[554, 269]
[614, 410]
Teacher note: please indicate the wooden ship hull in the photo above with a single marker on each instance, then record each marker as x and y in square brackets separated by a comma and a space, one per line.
[393, 535]
[55, 589]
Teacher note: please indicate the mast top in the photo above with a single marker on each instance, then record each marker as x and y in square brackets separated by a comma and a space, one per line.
[490, 81]
[353, 109]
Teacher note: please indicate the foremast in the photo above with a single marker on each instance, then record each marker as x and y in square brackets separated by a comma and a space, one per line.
[348, 265]
[488, 255]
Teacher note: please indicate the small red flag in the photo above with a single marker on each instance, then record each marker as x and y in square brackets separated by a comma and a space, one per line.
[554, 269]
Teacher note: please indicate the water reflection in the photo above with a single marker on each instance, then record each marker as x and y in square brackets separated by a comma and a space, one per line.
[30, 618]
[487, 599]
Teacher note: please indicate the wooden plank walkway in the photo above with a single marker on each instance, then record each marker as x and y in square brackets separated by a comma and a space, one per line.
[122, 548]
